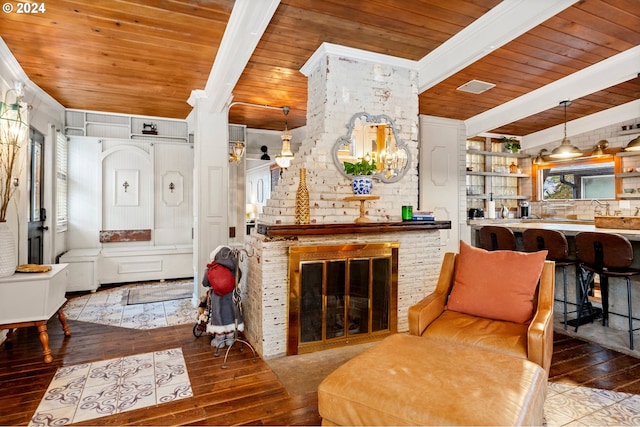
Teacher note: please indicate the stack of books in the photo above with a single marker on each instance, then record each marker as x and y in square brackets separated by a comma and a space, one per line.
[423, 216]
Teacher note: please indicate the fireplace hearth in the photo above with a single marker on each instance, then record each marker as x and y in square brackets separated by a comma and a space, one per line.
[341, 295]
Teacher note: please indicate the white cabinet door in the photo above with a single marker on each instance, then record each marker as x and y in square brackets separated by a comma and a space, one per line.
[440, 174]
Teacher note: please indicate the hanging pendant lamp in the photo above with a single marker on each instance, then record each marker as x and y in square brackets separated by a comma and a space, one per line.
[565, 150]
[283, 160]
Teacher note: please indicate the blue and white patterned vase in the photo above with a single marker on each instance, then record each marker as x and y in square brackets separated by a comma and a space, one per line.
[362, 184]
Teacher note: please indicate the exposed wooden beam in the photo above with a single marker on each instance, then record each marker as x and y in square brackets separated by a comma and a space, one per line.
[494, 29]
[246, 25]
[609, 72]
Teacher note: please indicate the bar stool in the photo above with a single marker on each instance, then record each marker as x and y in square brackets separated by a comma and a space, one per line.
[495, 237]
[556, 244]
[607, 255]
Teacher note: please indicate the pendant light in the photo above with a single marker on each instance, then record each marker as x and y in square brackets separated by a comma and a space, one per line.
[598, 151]
[283, 160]
[565, 150]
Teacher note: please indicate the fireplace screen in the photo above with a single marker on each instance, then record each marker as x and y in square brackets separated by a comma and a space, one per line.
[342, 294]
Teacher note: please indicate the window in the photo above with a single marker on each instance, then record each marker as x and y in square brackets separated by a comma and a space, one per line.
[62, 214]
[586, 178]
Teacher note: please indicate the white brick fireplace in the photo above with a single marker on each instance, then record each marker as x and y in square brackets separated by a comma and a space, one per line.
[341, 83]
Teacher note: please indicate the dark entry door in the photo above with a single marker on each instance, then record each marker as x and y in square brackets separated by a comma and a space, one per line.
[37, 213]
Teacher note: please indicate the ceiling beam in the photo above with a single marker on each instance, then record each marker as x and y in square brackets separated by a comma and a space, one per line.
[609, 72]
[494, 29]
[245, 28]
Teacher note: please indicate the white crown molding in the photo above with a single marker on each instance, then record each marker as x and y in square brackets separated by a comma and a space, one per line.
[356, 54]
[604, 74]
[247, 23]
[494, 29]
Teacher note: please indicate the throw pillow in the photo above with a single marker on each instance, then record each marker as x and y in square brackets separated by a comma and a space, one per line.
[496, 285]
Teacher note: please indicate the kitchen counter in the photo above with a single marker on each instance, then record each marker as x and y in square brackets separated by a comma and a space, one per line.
[570, 227]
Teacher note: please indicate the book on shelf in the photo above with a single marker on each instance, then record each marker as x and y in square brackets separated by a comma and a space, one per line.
[423, 216]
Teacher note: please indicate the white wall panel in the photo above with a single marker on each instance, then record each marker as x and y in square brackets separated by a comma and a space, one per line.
[85, 192]
[127, 198]
[215, 180]
[173, 207]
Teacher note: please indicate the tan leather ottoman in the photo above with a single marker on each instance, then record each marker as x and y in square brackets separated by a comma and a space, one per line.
[411, 380]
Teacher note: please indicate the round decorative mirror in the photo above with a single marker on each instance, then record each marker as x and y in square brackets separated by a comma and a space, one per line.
[373, 138]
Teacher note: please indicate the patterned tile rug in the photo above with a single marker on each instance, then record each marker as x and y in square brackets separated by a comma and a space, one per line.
[109, 307]
[83, 392]
[145, 295]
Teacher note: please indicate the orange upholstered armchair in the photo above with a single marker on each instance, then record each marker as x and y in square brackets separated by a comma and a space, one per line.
[530, 338]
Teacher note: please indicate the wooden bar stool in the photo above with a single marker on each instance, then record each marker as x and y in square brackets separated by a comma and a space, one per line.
[495, 237]
[607, 255]
[556, 244]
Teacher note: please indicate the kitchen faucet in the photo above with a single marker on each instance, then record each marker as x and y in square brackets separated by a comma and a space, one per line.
[598, 211]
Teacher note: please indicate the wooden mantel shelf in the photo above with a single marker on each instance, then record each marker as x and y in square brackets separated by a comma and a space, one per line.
[276, 230]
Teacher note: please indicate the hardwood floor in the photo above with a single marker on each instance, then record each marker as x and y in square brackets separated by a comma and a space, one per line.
[245, 392]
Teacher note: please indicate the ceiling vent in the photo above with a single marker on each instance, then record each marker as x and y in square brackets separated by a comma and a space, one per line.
[476, 86]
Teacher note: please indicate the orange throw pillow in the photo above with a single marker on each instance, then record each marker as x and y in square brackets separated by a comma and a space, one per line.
[496, 285]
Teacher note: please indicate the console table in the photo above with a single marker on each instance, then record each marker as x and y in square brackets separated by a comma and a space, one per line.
[31, 299]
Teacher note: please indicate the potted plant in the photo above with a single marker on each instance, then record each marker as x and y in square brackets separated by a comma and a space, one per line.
[13, 133]
[511, 144]
[361, 172]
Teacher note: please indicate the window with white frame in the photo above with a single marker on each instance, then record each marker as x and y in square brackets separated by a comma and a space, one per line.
[62, 147]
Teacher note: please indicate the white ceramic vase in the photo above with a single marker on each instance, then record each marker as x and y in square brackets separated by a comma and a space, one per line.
[8, 256]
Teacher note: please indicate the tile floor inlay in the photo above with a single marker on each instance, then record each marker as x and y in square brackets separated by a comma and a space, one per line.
[109, 307]
[83, 392]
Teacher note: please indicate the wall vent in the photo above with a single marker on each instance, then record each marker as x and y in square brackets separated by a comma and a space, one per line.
[237, 133]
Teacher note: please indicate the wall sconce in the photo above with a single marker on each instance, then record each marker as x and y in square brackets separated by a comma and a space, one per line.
[598, 150]
[126, 185]
[265, 155]
[237, 151]
[540, 157]
[565, 150]
[633, 145]
[172, 186]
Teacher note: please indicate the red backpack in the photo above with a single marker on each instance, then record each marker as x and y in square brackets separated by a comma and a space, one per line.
[220, 278]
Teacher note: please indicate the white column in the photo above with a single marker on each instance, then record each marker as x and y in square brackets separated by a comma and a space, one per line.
[210, 182]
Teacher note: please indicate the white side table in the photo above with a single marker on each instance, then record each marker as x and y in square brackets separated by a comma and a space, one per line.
[30, 299]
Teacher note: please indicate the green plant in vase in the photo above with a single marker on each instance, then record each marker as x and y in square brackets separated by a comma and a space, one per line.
[363, 167]
[361, 172]
[510, 144]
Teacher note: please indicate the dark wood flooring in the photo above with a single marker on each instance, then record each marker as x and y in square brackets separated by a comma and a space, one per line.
[245, 393]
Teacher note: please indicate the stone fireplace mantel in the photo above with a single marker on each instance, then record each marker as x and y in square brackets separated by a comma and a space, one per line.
[283, 230]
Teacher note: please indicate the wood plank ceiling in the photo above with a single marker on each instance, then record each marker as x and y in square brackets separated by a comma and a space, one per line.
[144, 58]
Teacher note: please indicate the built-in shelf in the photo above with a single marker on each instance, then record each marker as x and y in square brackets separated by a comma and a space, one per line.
[111, 125]
[486, 197]
[634, 131]
[499, 154]
[628, 196]
[628, 153]
[627, 174]
[510, 175]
